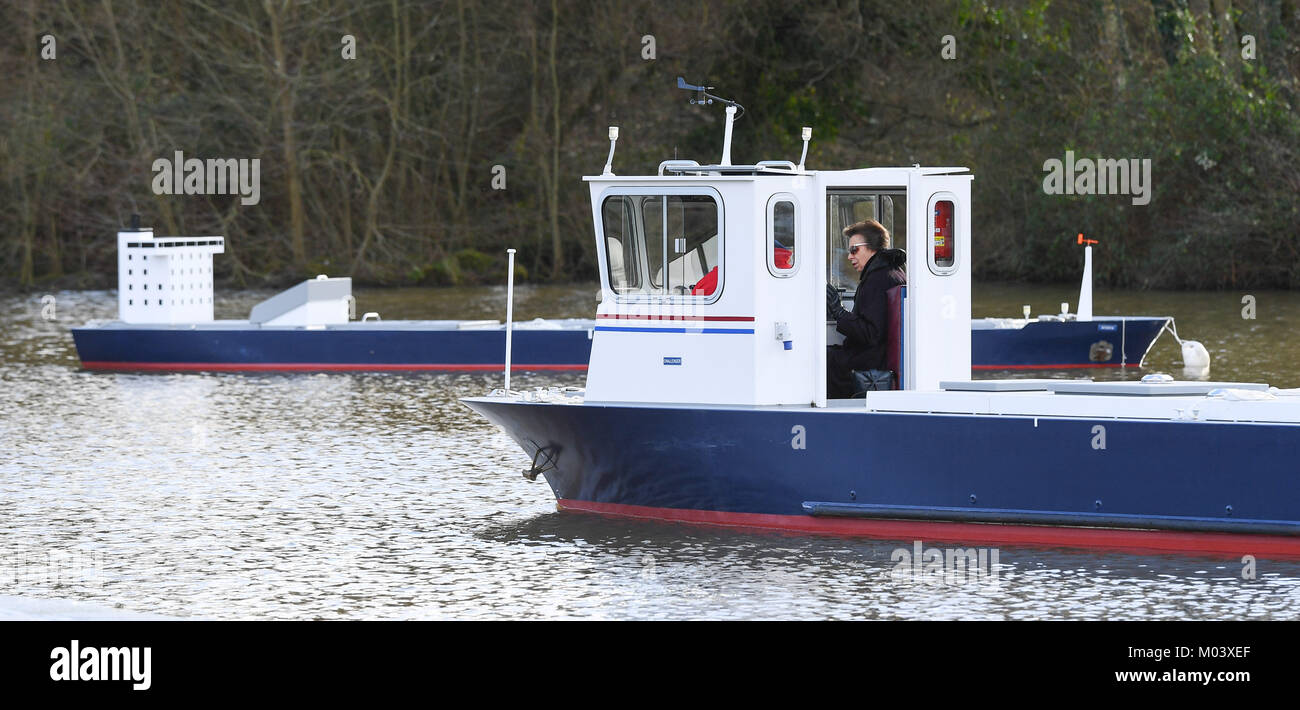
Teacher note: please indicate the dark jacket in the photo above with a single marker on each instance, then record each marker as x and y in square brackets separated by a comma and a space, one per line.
[865, 327]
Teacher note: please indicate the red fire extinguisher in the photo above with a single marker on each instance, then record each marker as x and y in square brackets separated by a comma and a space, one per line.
[943, 246]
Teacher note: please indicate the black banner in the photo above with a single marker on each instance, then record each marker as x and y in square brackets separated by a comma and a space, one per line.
[138, 660]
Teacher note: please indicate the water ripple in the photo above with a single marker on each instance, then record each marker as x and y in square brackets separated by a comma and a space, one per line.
[378, 496]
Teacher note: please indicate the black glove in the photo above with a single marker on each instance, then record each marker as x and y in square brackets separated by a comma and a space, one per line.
[834, 308]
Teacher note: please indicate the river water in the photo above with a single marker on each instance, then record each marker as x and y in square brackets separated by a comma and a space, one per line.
[378, 496]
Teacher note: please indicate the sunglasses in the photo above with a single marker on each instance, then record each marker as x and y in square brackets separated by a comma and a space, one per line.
[854, 249]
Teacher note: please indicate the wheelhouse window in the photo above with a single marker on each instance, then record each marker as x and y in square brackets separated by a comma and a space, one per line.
[781, 220]
[620, 257]
[662, 244]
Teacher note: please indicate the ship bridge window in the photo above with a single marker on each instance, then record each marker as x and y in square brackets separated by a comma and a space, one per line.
[620, 257]
[781, 236]
[662, 244]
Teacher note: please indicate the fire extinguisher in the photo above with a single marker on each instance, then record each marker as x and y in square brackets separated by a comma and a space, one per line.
[943, 247]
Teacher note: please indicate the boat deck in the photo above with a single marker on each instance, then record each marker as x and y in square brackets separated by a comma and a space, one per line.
[1242, 402]
[1205, 402]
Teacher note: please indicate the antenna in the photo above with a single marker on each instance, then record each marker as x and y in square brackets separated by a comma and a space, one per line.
[704, 98]
[510, 310]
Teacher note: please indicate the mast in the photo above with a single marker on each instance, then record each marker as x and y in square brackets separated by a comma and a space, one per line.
[1085, 287]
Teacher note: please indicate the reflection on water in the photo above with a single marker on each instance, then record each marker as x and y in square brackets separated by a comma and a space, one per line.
[380, 496]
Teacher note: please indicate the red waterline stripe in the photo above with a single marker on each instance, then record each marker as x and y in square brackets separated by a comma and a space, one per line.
[1115, 539]
[314, 366]
[1046, 367]
[621, 316]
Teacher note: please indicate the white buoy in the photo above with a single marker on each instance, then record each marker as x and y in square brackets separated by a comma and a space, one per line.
[510, 308]
[1195, 356]
[1196, 359]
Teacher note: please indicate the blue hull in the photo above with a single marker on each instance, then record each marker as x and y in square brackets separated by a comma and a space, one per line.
[1168, 486]
[125, 348]
[1104, 342]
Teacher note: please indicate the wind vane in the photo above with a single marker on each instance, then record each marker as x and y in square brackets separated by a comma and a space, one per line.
[704, 98]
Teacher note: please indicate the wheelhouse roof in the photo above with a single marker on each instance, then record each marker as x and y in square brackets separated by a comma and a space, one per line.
[744, 173]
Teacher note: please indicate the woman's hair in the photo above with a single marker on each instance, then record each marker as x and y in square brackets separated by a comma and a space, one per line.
[873, 232]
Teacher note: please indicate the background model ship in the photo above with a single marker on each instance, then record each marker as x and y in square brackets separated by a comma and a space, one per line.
[166, 323]
[165, 307]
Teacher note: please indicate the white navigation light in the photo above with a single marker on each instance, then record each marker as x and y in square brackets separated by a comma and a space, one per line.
[609, 162]
[807, 136]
